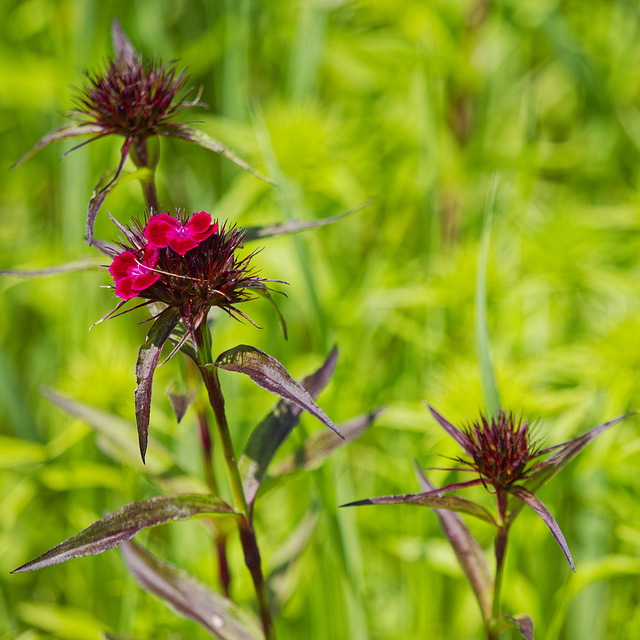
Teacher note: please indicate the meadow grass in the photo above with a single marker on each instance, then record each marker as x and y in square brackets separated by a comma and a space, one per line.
[416, 104]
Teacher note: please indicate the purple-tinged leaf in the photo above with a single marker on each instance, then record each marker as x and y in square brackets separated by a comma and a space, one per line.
[318, 447]
[467, 550]
[275, 428]
[524, 624]
[295, 226]
[216, 614]
[124, 523]
[429, 499]
[148, 357]
[185, 132]
[269, 374]
[70, 130]
[180, 401]
[536, 504]
[83, 264]
[114, 433]
[102, 190]
[454, 432]
[122, 47]
[564, 453]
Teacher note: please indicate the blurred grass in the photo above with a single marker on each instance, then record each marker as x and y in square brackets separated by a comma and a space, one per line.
[416, 103]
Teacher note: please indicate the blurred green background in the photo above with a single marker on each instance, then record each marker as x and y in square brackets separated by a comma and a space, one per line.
[416, 103]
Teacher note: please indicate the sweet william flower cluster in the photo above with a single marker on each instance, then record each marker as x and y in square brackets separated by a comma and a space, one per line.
[186, 262]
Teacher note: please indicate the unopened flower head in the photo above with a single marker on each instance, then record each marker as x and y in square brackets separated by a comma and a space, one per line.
[188, 262]
[132, 98]
[502, 450]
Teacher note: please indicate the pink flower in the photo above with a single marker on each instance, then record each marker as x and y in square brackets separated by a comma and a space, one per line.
[164, 230]
[132, 275]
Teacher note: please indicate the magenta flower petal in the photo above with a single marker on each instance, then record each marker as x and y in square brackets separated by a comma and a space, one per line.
[180, 243]
[159, 228]
[133, 276]
[200, 226]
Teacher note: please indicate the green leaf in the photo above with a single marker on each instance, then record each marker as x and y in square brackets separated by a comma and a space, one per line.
[267, 437]
[148, 357]
[269, 374]
[262, 291]
[184, 132]
[70, 130]
[483, 340]
[83, 264]
[218, 615]
[124, 523]
[295, 226]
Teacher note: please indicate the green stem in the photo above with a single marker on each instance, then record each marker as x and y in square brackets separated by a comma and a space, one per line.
[145, 153]
[247, 533]
[500, 548]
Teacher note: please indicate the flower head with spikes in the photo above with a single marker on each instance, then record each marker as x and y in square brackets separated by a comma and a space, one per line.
[186, 262]
[139, 100]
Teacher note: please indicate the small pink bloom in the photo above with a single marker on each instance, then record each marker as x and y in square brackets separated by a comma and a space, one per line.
[164, 230]
[132, 275]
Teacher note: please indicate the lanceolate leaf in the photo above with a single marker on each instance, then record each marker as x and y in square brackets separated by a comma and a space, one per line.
[122, 47]
[219, 616]
[148, 357]
[564, 453]
[432, 500]
[295, 226]
[536, 504]
[124, 523]
[467, 550]
[70, 130]
[321, 445]
[185, 132]
[83, 264]
[274, 429]
[262, 291]
[269, 374]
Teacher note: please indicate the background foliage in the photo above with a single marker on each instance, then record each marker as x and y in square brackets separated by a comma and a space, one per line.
[416, 103]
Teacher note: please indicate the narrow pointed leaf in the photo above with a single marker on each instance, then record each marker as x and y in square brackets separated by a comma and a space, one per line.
[262, 291]
[269, 374]
[219, 616]
[148, 357]
[122, 47]
[124, 523]
[185, 132]
[483, 340]
[295, 226]
[318, 447]
[467, 550]
[564, 453]
[83, 264]
[102, 190]
[454, 432]
[70, 130]
[114, 433]
[430, 499]
[275, 428]
[536, 504]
